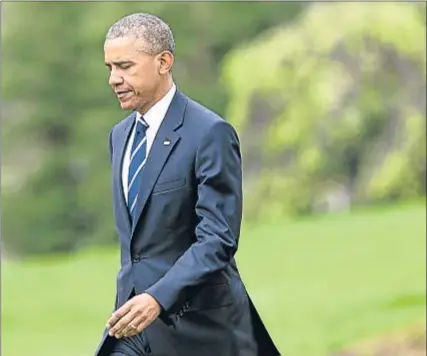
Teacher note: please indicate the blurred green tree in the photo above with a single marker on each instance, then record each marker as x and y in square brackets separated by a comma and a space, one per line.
[49, 122]
[334, 113]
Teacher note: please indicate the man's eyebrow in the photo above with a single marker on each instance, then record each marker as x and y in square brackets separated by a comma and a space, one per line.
[119, 63]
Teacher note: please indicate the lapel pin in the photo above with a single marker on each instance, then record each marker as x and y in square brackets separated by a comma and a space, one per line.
[166, 142]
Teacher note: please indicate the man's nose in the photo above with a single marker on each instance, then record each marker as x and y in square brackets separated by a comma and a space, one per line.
[115, 79]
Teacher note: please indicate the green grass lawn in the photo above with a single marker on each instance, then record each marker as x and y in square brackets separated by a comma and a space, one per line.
[319, 284]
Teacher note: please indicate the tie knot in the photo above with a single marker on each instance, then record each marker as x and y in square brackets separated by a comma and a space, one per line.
[141, 125]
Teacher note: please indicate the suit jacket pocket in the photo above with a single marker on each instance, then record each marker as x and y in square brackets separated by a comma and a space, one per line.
[167, 186]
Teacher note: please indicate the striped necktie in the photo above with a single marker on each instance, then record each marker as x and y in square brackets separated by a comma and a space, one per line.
[138, 157]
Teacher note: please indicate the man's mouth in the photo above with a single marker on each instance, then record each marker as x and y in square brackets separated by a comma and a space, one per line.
[121, 93]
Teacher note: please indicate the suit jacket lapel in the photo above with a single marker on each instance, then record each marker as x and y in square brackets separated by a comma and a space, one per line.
[118, 168]
[163, 144]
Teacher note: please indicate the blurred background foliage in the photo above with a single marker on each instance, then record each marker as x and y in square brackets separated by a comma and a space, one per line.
[327, 98]
[334, 118]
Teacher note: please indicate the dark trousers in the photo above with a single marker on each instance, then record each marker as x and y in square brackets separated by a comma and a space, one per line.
[131, 346]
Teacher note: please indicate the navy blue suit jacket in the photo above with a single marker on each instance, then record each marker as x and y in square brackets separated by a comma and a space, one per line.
[181, 249]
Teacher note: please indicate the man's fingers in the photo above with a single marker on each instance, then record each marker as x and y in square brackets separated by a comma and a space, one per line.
[133, 327]
[114, 318]
[118, 314]
[146, 321]
[122, 323]
[144, 324]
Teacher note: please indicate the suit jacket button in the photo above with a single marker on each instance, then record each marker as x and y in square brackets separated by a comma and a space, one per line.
[136, 258]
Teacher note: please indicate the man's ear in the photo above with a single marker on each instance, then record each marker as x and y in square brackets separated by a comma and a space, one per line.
[165, 60]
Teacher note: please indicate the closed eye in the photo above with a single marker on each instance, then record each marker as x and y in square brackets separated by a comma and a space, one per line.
[120, 64]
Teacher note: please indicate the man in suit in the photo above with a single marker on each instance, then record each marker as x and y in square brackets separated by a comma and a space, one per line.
[177, 192]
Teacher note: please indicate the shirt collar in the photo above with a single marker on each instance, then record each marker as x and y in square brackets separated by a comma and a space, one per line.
[158, 111]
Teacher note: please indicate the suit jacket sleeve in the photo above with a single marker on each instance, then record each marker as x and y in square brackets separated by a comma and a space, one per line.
[219, 212]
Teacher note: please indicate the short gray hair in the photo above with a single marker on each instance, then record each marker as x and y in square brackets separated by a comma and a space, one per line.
[155, 33]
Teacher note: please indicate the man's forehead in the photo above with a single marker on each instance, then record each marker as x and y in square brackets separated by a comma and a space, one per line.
[123, 49]
[120, 44]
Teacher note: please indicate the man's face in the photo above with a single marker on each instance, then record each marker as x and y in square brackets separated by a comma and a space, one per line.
[134, 75]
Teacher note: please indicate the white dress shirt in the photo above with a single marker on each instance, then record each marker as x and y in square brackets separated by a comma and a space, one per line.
[153, 118]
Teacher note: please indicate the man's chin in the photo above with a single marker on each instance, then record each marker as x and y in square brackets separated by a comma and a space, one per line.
[127, 106]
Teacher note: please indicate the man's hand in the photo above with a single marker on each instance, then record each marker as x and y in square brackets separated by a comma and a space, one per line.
[134, 316]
